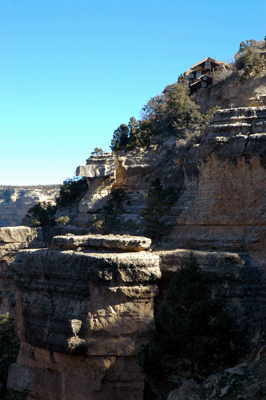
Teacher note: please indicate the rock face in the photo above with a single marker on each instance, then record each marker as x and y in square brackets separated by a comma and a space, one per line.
[112, 242]
[11, 240]
[84, 307]
[100, 173]
[219, 178]
[233, 92]
[222, 203]
[15, 201]
[81, 317]
[99, 165]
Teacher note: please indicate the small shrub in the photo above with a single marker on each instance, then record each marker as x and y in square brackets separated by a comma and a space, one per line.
[63, 220]
[97, 151]
[9, 348]
[43, 214]
[97, 225]
[112, 220]
[195, 334]
[158, 204]
[70, 190]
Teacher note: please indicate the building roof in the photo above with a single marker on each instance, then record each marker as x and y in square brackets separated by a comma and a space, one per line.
[208, 59]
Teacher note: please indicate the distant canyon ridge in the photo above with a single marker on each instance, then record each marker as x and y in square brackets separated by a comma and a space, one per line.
[15, 201]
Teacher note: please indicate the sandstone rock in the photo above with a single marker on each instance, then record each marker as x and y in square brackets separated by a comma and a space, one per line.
[237, 370]
[15, 201]
[19, 234]
[81, 317]
[189, 390]
[112, 242]
[11, 240]
[233, 92]
[102, 165]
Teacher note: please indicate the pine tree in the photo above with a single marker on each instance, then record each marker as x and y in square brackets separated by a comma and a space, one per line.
[158, 204]
[194, 332]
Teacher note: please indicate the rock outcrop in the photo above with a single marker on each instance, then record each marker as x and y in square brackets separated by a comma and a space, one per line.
[84, 306]
[233, 92]
[81, 317]
[100, 174]
[222, 202]
[13, 239]
[15, 201]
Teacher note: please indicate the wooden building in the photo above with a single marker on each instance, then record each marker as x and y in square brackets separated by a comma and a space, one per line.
[202, 74]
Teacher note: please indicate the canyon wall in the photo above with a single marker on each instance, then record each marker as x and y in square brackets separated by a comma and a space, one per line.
[84, 305]
[15, 201]
[81, 315]
[233, 92]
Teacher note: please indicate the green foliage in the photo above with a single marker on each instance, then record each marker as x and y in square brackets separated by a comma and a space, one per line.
[9, 347]
[63, 220]
[158, 204]
[112, 221]
[170, 112]
[195, 334]
[97, 150]
[206, 118]
[43, 214]
[97, 225]
[249, 59]
[135, 134]
[120, 138]
[173, 109]
[70, 190]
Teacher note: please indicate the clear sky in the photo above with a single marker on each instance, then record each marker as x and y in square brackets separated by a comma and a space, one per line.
[73, 70]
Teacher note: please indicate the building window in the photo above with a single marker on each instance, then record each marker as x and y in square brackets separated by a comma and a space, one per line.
[207, 64]
[198, 74]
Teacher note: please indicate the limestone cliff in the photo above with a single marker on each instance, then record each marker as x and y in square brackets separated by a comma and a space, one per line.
[15, 201]
[84, 306]
[81, 316]
[233, 92]
[219, 177]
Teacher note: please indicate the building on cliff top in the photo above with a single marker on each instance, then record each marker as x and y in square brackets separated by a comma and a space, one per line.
[202, 74]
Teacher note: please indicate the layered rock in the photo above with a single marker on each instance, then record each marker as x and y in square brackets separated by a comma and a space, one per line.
[97, 166]
[11, 240]
[81, 317]
[112, 242]
[222, 205]
[100, 173]
[15, 201]
[219, 178]
[84, 307]
[233, 92]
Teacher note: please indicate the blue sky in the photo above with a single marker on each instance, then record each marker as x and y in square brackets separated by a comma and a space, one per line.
[72, 71]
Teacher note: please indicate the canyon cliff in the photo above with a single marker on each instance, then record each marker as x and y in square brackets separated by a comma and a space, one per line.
[15, 201]
[83, 304]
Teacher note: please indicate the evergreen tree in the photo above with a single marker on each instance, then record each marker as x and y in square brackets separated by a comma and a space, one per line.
[173, 109]
[120, 138]
[112, 212]
[158, 204]
[70, 190]
[194, 332]
[9, 348]
[250, 59]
